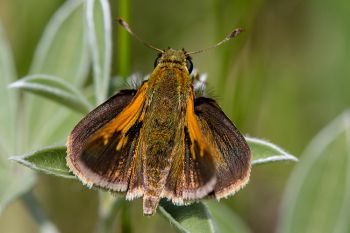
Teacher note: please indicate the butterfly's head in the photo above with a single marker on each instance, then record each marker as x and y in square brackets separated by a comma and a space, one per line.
[174, 57]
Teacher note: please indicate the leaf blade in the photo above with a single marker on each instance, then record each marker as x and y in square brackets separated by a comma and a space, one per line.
[188, 219]
[98, 19]
[264, 152]
[55, 89]
[14, 181]
[317, 196]
[226, 221]
[50, 160]
[62, 50]
[8, 99]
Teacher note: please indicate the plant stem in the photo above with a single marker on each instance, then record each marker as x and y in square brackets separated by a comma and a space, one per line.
[45, 225]
[108, 209]
[125, 218]
[123, 42]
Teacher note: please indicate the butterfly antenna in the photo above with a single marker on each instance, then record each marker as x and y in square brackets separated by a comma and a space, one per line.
[125, 25]
[233, 34]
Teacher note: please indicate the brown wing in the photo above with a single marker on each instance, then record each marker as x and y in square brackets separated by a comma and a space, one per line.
[192, 173]
[234, 158]
[102, 148]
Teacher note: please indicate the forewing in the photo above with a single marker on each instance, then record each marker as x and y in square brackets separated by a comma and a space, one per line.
[233, 160]
[102, 147]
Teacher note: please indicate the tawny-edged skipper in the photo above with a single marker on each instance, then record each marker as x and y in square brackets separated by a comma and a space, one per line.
[161, 140]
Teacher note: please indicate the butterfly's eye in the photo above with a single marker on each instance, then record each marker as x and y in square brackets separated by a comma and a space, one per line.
[189, 65]
[156, 62]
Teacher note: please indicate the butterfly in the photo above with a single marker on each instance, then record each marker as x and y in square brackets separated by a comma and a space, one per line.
[161, 140]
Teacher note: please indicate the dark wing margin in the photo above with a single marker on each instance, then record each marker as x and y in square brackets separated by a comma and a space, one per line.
[101, 148]
[233, 162]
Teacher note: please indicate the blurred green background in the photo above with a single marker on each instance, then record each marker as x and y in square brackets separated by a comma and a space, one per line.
[283, 80]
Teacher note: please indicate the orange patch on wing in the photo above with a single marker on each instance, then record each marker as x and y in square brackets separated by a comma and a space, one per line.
[194, 129]
[124, 120]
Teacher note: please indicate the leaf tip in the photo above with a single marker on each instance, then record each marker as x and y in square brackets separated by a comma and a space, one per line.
[19, 159]
[13, 158]
[15, 85]
[276, 158]
[276, 153]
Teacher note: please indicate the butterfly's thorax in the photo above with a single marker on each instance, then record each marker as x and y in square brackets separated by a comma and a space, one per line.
[169, 87]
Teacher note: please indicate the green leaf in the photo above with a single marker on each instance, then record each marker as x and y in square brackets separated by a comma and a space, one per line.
[37, 213]
[98, 18]
[317, 198]
[266, 152]
[63, 50]
[109, 206]
[55, 89]
[123, 41]
[14, 181]
[188, 219]
[226, 221]
[51, 160]
[60, 125]
[8, 99]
